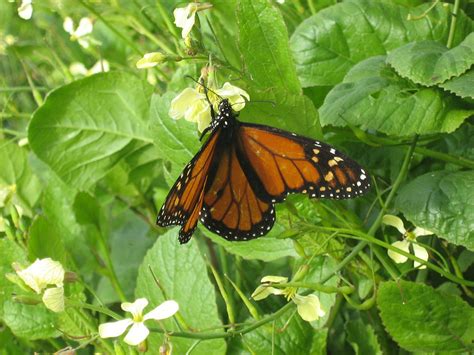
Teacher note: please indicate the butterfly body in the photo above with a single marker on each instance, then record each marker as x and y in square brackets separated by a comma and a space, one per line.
[243, 169]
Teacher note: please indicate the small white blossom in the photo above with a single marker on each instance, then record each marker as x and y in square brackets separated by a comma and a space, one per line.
[25, 10]
[40, 275]
[194, 107]
[409, 239]
[308, 307]
[151, 60]
[79, 69]
[138, 331]
[184, 17]
[81, 33]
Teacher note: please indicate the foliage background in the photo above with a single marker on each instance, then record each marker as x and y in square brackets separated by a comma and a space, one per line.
[395, 93]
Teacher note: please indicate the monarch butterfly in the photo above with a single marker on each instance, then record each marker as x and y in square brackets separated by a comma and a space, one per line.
[233, 182]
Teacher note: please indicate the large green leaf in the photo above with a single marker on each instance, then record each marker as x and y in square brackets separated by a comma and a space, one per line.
[462, 86]
[182, 274]
[362, 338]
[429, 63]
[30, 321]
[85, 127]
[16, 171]
[373, 96]
[263, 40]
[443, 203]
[328, 44]
[45, 241]
[420, 318]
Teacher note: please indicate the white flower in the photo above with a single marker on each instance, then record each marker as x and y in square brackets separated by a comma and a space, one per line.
[194, 107]
[151, 60]
[308, 307]
[42, 274]
[138, 331]
[264, 289]
[409, 240]
[81, 33]
[184, 17]
[25, 10]
[79, 69]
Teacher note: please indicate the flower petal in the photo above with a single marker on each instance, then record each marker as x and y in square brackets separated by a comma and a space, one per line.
[41, 273]
[114, 329]
[234, 94]
[184, 18]
[136, 308]
[309, 307]
[68, 25]
[394, 221]
[150, 60]
[85, 27]
[53, 299]
[418, 232]
[262, 292]
[274, 279]
[101, 66]
[421, 253]
[77, 68]
[399, 258]
[181, 103]
[165, 310]
[137, 333]
[25, 11]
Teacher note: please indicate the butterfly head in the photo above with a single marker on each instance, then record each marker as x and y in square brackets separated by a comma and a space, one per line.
[225, 107]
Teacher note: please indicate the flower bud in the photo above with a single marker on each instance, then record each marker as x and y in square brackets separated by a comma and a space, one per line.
[151, 60]
[27, 299]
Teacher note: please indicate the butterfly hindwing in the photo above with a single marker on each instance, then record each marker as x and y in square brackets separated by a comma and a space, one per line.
[284, 162]
[184, 201]
[231, 208]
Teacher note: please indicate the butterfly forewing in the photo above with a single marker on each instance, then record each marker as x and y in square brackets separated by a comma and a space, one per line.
[283, 162]
[184, 202]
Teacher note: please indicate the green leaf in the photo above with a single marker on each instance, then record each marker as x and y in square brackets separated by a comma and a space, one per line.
[263, 40]
[462, 86]
[266, 248]
[45, 241]
[9, 253]
[84, 128]
[181, 272]
[30, 322]
[297, 337]
[373, 96]
[319, 342]
[429, 63]
[441, 202]
[362, 337]
[176, 140]
[16, 171]
[326, 45]
[420, 318]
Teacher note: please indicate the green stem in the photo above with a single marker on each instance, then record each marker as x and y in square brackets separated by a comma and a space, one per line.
[22, 88]
[91, 307]
[110, 27]
[452, 27]
[460, 161]
[315, 286]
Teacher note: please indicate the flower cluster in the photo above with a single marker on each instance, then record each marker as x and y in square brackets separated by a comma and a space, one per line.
[193, 105]
[309, 307]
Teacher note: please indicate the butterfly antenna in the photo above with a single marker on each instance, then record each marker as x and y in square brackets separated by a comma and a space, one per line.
[253, 101]
[206, 89]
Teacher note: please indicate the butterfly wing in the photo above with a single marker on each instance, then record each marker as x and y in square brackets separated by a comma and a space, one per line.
[231, 207]
[184, 201]
[282, 162]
